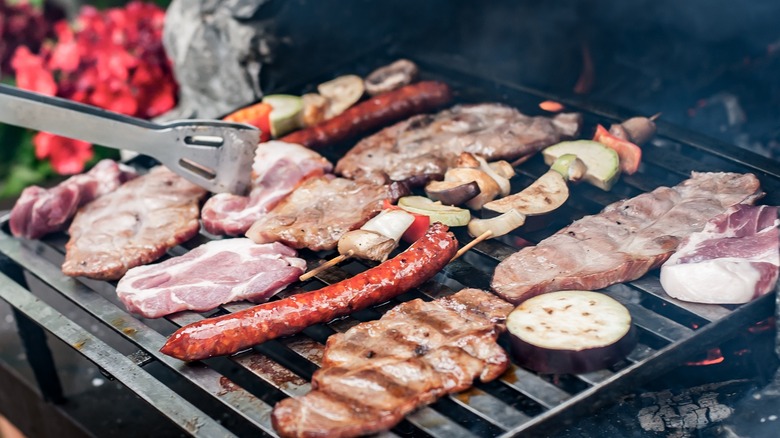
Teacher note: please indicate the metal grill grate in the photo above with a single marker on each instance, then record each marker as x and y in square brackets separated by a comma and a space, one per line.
[247, 385]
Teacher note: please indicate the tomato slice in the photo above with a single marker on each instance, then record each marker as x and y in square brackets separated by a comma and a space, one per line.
[417, 229]
[257, 115]
[628, 153]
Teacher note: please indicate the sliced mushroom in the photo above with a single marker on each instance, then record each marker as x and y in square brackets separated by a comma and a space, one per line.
[488, 187]
[315, 108]
[636, 129]
[466, 159]
[452, 192]
[503, 168]
[391, 77]
[341, 93]
[365, 244]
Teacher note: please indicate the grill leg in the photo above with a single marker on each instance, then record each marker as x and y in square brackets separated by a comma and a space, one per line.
[34, 342]
[40, 357]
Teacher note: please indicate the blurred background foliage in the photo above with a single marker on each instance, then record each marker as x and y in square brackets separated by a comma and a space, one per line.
[50, 36]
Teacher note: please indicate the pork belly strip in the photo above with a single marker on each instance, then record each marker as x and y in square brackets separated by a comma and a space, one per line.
[623, 241]
[278, 168]
[317, 213]
[215, 273]
[429, 144]
[733, 260]
[40, 211]
[377, 372]
[132, 226]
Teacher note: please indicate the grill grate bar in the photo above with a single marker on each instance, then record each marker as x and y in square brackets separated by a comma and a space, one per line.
[123, 369]
[249, 407]
[651, 284]
[655, 323]
[640, 353]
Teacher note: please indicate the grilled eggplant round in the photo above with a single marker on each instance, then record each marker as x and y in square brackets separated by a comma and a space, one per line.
[570, 332]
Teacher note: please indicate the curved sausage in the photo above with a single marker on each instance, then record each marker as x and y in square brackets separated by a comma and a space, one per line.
[373, 113]
[240, 330]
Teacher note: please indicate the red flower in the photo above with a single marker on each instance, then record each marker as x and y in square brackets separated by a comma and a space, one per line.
[67, 156]
[112, 59]
[30, 73]
[65, 56]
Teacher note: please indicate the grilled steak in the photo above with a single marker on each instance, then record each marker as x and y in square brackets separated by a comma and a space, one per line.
[625, 240]
[429, 144]
[133, 225]
[378, 371]
[317, 213]
[278, 168]
[733, 260]
[42, 211]
[217, 272]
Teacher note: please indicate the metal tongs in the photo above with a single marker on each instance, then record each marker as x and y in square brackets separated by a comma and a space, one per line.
[212, 154]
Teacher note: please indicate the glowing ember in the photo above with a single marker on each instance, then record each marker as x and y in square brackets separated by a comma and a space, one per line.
[551, 106]
[762, 326]
[714, 356]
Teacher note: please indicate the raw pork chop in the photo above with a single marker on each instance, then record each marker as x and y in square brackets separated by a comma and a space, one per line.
[133, 225]
[429, 144]
[733, 260]
[42, 211]
[217, 272]
[377, 372]
[278, 168]
[317, 213]
[625, 240]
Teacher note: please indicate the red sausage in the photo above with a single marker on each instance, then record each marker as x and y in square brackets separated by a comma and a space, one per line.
[240, 330]
[380, 110]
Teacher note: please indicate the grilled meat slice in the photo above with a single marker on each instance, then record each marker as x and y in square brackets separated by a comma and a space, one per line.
[42, 211]
[217, 272]
[429, 144]
[625, 240]
[133, 225]
[378, 371]
[319, 211]
[278, 168]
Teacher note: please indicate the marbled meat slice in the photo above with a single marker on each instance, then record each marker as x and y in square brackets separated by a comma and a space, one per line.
[133, 225]
[625, 240]
[317, 213]
[429, 144]
[40, 211]
[377, 372]
[733, 260]
[278, 168]
[215, 273]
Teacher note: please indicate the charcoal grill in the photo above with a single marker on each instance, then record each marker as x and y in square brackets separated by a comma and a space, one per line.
[246, 386]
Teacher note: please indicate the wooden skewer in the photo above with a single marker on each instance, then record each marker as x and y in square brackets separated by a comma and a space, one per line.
[332, 262]
[468, 246]
[654, 116]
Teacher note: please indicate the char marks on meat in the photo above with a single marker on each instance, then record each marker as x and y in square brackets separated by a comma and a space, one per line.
[430, 144]
[317, 213]
[377, 372]
[215, 273]
[42, 211]
[733, 260]
[133, 225]
[625, 240]
[278, 168]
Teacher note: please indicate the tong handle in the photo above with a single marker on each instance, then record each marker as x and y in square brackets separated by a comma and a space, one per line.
[197, 149]
[75, 120]
[95, 125]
